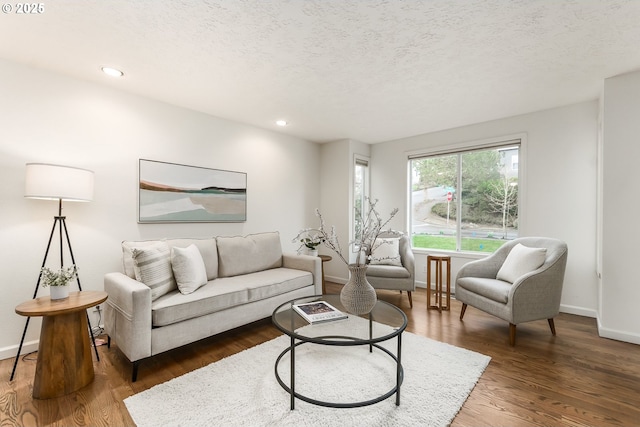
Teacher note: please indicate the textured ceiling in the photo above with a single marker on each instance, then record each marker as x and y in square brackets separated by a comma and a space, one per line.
[369, 70]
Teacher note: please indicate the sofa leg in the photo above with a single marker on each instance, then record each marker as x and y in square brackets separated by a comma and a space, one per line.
[552, 326]
[134, 371]
[410, 299]
[464, 308]
[512, 334]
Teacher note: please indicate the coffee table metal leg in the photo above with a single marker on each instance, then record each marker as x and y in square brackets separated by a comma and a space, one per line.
[370, 332]
[293, 372]
[398, 369]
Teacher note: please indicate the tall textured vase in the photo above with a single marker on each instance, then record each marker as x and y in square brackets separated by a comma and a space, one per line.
[357, 295]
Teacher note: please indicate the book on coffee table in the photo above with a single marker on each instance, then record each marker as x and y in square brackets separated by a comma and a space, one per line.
[318, 311]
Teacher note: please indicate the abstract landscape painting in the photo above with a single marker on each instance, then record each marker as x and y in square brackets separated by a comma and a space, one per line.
[170, 192]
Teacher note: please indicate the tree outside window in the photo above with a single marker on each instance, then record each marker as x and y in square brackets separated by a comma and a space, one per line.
[481, 185]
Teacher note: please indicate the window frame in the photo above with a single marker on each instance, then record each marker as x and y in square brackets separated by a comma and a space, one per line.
[360, 160]
[463, 147]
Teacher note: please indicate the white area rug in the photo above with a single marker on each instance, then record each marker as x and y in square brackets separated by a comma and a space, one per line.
[242, 390]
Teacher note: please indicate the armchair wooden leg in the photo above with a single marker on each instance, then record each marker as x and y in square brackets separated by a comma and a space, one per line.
[410, 299]
[552, 326]
[512, 334]
[464, 308]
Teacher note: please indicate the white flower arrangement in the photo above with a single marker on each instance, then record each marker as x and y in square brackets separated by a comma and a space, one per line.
[309, 238]
[58, 278]
[371, 226]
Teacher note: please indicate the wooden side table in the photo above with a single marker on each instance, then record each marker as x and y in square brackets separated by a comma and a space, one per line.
[439, 303]
[64, 354]
[324, 258]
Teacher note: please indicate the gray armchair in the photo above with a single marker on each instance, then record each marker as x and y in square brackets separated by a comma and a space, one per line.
[534, 295]
[394, 277]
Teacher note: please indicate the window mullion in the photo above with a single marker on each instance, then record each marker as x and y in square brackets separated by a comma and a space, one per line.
[458, 199]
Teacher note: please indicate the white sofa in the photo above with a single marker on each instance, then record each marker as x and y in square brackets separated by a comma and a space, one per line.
[246, 279]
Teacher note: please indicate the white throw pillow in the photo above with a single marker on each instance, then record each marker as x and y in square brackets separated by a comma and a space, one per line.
[152, 266]
[521, 260]
[386, 251]
[188, 268]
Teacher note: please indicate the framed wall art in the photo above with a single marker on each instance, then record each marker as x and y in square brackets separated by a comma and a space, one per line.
[170, 192]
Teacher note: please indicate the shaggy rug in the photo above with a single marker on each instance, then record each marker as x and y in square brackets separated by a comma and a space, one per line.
[241, 390]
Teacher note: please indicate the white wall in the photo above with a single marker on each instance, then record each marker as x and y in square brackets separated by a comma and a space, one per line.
[558, 186]
[50, 118]
[337, 171]
[619, 314]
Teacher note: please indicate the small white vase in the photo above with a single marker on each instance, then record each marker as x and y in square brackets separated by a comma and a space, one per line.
[59, 292]
[312, 252]
[357, 295]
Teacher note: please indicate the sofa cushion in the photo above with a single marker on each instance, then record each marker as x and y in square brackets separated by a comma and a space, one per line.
[386, 251]
[227, 292]
[494, 289]
[207, 248]
[248, 254]
[152, 266]
[520, 261]
[188, 268]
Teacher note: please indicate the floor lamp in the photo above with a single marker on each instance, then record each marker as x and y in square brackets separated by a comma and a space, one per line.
[61, 183]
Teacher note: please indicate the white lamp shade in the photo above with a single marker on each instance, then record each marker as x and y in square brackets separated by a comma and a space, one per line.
[56, 182]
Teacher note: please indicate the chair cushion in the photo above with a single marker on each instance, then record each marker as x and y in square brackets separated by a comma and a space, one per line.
[188, 268]
[494, 289]
[390, 271]
[386, 251]
[520, 261]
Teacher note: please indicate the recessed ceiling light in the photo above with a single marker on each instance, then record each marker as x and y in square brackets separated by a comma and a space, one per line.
[282, 123]
[113, 72]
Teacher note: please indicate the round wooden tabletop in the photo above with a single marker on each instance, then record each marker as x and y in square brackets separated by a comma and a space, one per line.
[45, 306]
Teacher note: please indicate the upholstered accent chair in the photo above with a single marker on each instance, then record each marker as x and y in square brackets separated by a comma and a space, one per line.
[519, 282]
[393, 264]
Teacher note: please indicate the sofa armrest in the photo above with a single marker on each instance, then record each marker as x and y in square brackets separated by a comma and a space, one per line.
[312, 264]
[408, 260]
[128, 315]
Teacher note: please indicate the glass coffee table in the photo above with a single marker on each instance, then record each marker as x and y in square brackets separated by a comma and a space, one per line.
[383, 323]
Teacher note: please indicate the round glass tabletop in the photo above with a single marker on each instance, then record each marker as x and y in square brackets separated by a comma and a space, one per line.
[383, 322]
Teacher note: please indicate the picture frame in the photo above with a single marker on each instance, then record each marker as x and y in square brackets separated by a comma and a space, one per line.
[172, 192]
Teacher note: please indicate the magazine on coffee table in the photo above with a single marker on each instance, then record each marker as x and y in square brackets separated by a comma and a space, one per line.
[318, 311]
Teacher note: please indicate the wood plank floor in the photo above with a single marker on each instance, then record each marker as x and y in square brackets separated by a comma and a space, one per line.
[574, 379]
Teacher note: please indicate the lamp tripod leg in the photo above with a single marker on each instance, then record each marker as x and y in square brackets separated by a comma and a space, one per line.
[73, 260]
[35, 293]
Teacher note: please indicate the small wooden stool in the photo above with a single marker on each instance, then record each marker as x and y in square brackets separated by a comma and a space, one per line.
[439, 303]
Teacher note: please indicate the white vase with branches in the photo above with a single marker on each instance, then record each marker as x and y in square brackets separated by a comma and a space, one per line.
[357, 295]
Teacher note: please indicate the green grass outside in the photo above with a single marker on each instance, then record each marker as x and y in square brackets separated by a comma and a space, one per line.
[448, 243]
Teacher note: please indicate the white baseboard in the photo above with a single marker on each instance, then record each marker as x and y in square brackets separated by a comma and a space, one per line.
[10, 351]
[334, 279]
[617, 335]
[579, 311]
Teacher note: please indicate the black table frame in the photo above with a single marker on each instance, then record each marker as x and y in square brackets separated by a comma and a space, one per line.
[339, 340]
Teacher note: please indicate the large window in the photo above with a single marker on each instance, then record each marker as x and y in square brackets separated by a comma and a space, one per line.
[465, 200]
